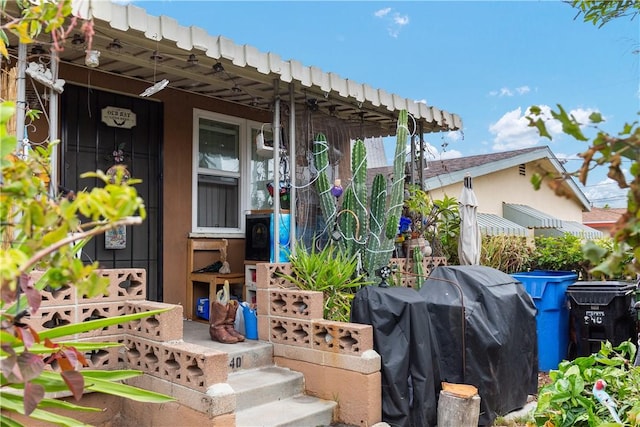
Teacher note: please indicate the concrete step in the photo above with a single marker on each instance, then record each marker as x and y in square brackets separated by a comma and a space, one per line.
[296, 411]
[259, 386]
[265, 395]
[249, 354]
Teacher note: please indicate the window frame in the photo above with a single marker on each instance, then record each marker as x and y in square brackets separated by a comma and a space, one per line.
[233, 232]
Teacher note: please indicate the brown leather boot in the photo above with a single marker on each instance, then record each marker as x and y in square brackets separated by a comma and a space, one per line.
[231, 318]
[217, 327]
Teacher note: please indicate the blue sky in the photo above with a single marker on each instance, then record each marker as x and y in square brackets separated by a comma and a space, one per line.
[485, 61]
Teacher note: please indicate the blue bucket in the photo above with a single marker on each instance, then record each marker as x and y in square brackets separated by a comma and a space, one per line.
[250, 322]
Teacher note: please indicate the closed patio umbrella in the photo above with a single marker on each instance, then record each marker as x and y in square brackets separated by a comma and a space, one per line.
[469, 243]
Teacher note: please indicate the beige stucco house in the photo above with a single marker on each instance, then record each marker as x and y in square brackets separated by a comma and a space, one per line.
[508, 202]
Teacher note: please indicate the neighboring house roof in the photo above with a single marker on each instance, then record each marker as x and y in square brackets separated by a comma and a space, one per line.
[444, 172]
[602, 216]
[441, 173]
[244, 75]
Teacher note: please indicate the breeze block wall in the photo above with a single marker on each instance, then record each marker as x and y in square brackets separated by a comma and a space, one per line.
[195, 375]
[405, 271]
[336, 358]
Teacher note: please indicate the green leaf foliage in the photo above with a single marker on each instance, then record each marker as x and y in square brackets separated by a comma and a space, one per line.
[36, 229]
[330, 271]
[568, 400]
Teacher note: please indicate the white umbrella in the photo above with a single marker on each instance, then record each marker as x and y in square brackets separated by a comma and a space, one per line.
[470, 241]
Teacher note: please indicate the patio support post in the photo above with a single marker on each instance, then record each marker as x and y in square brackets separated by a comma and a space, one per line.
[292, 166]
[422, 161]
[53, 125]
[276, 173]
[413, 159]
[21, 104]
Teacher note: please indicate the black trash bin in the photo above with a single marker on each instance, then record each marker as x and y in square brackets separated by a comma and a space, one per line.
[600, 311]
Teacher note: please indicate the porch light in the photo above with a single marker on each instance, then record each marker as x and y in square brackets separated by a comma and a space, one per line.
[218, 68]
[115, 45]
[77, 40]
[155, 56]
[37, 50]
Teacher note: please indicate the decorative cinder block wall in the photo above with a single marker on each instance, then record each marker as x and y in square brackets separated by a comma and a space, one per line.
[336, 358]
[195, 375]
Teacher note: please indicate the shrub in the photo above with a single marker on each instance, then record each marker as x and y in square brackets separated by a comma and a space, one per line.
[509, 254]
[329, 271]
[568, 400]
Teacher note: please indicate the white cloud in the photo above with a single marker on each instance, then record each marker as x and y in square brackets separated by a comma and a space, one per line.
[382, 12]
[395, 21]
[505, 91]
[512, 130]
[606, 193]
[455, 135]
[451, 154]
[400, 20]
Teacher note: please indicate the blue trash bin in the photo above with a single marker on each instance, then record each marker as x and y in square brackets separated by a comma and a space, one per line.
[548, 290]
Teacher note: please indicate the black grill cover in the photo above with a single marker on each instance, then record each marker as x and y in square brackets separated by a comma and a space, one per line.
[498, 335]
[403, 337]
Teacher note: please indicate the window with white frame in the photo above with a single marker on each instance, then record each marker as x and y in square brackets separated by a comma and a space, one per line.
[217, 180]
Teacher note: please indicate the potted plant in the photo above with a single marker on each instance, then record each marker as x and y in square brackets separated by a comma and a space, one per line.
[418, 216]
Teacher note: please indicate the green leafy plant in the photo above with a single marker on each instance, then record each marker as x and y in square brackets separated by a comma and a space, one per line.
[446, 230]
[41, 230]
[568, 400]
[419, 207]
[330, 271]
[560, 253]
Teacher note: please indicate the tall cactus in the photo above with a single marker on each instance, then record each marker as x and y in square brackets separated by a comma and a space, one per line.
[327, 201]
[353, 216]
[378, 227]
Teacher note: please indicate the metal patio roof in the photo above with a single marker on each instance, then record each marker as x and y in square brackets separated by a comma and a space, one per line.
[494, 225]
[128, 38]
[529, 217]
[574, 228]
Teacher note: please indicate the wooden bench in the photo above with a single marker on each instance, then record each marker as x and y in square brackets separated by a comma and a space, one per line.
[201, 285]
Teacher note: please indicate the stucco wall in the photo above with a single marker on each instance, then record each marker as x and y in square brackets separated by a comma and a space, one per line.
[509, 186]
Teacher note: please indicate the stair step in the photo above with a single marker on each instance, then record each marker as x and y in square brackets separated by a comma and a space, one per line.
[259, 386]
[297, 411]
[249, 354]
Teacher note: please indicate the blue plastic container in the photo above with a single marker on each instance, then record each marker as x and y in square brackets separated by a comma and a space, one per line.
[250, 323]
[202, 308]
[284, 221]
[548, 290]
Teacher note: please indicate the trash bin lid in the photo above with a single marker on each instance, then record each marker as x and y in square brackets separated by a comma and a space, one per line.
[600, 293]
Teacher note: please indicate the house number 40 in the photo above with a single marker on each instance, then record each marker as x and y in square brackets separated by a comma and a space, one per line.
[236, 362]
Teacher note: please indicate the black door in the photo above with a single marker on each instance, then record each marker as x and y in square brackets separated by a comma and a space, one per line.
[88, 144]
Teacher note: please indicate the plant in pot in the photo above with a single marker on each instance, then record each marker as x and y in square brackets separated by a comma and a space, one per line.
[418, 216]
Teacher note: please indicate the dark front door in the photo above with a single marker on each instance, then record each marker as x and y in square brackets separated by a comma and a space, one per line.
[89, 144]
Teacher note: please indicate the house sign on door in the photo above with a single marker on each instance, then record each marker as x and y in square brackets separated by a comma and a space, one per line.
[118, 117]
